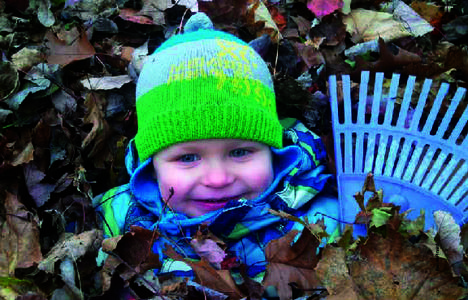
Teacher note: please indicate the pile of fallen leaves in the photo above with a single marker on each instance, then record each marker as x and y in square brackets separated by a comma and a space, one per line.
[67, 112]
[397, 259]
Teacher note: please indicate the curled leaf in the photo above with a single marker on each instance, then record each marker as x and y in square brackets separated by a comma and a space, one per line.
[218, 280]
[209, 250]
[71, 247]
[449, 235]
[290, 262]
[20, 237]
[9, 79]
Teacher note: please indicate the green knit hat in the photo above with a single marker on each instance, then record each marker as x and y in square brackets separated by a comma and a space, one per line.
[204, 84]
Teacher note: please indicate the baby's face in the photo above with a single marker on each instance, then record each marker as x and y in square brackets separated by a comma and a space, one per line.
[206, 174]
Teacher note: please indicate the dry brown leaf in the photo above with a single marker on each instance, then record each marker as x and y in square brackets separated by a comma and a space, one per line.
[226, 14]
[206, 275]
[59, 52]
[309, 55]
[428, 11]
[449, 234]
[106, 82]
[303, 25]
[127, 53]
[334, 61]
[332, 29]
[9, 79]
[288, 264]
[134, 16]
[155, 9]
[134, 247]
[394, 268]
[332, 272]
[389, 61]
[464, 237]
[20, 237]
[131, 254]
[278, 17]
[25, 156]
[40, 191]
[26, 58]
[259, 21]
[209, 250]
[95, 115]
[367, 25]
[73, 247]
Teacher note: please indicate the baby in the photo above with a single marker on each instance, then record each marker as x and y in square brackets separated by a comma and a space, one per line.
[210, 149]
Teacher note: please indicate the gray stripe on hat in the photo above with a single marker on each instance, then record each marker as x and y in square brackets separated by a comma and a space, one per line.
[202, 58]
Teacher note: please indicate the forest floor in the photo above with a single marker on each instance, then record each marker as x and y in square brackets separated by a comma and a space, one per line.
[67, 113]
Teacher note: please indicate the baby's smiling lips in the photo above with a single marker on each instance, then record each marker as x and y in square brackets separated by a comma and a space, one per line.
[224, 199]
[212, 204]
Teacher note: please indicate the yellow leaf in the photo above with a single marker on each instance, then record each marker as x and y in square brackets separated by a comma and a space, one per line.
[263, 15]
[366, 25]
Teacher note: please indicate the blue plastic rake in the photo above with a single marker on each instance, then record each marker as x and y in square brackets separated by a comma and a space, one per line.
[416, 168]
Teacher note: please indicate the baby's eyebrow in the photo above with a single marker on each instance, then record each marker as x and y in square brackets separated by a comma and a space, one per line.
[188, 148]
[230, 144]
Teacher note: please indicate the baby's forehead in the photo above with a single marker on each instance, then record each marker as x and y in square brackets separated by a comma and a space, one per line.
[209, 143]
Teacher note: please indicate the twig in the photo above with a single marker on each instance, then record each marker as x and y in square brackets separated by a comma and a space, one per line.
[336, 219]
[182, 20]
[276, 59]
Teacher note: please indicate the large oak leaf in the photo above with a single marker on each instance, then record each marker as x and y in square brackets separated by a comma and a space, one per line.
[332, 271]
[292, 263]
[394, 268]
[206, 275]
[19, 242]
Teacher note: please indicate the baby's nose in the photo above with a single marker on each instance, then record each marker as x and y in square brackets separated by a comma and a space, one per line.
[217, 175]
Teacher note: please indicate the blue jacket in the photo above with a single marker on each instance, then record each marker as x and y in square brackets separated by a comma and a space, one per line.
[246, 226]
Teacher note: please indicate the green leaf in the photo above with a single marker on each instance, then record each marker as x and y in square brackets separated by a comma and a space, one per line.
[380, 216]
[414, 227]
[350, 62]
[346, 239]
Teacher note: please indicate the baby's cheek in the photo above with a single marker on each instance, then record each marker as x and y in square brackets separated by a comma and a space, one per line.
[263, 178]
[179, 182]
[165, 187]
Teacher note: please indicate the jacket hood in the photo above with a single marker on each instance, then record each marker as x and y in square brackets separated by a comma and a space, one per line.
[297, 178]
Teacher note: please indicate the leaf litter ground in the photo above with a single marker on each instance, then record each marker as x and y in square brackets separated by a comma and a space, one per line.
[64, 134]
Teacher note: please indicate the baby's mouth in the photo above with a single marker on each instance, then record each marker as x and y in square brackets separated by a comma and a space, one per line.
[221, 199]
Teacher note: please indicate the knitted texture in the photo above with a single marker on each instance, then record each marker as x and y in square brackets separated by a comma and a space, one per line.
[204, 84]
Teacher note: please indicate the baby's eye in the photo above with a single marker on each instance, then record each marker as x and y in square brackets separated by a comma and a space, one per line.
[187, 158]
[240, 152]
